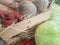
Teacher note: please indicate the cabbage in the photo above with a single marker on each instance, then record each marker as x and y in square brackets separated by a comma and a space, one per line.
[55, 13]
[48, 33]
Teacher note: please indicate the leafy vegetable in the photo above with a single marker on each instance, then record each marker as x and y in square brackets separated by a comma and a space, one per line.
[48, 33]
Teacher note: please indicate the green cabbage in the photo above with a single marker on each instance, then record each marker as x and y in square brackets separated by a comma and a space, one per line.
[55, 13]
[48, 33]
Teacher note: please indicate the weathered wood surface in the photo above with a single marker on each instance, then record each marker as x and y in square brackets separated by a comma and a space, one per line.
[23, 25]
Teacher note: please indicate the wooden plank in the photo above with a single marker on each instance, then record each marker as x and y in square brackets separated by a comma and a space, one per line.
[9, 3]
[24, 25]
[1, 29]
[6, 9]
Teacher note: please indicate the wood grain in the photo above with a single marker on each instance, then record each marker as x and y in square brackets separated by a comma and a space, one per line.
[24, 25]
[9, 3]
